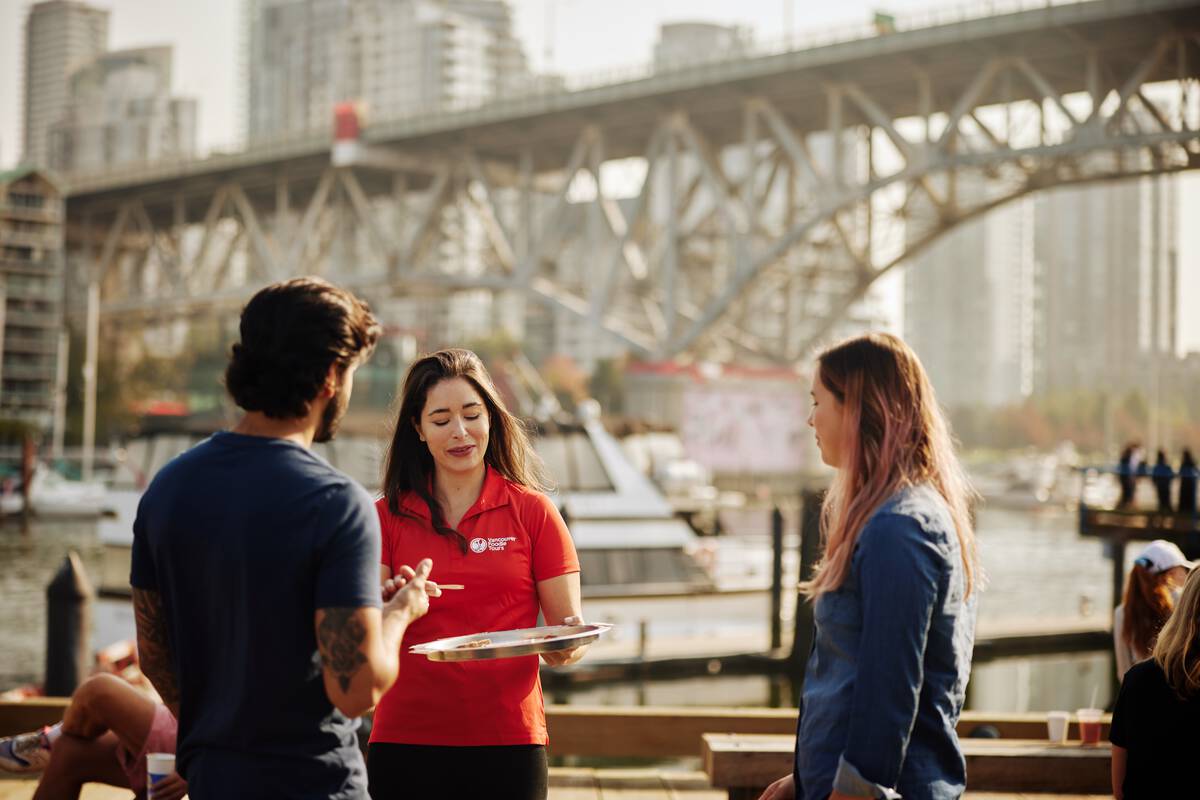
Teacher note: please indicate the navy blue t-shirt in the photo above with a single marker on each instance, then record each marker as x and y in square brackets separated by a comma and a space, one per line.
[244, 538]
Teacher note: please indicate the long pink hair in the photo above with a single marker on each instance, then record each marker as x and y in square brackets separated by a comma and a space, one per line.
[894, 436]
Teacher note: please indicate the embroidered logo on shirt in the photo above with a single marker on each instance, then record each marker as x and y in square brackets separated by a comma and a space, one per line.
[478, 545]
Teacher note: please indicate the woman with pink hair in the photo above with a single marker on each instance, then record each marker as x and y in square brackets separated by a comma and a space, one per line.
[895, 591]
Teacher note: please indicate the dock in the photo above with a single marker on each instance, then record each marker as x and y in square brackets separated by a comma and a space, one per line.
[679, 738]
[1118, 527]
[567, 783]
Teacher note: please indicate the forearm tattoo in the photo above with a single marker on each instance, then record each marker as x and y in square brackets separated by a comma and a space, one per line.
[154, 648]
[340, 636]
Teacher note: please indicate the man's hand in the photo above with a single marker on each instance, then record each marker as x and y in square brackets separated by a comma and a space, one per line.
[403, 576]
[782, 789]
[350, 638]
[172, 787]
[561, 658]
[407, 593]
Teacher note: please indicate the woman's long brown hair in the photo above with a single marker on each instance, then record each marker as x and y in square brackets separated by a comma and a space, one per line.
[894, 436]
[409, 466]
[1148, 603]
[1177, 650]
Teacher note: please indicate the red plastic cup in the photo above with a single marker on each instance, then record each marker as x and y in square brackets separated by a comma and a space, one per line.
[1089, 725]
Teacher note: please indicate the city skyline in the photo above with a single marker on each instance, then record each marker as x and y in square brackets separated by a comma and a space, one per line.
[624, 35]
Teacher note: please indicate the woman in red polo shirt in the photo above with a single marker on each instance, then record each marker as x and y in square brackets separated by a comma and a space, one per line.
[461, 485]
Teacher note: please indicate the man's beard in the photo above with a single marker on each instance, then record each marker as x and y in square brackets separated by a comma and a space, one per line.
[331, 418]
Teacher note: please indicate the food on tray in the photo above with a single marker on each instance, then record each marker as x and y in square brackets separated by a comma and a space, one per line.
[486, 642]
[533, 640]
[506, 644]
[473, 644]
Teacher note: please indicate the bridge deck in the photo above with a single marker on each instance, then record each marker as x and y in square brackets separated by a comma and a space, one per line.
[1052, 38]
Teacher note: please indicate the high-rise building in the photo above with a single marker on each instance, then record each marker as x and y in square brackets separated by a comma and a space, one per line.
[683, 43]
[870, 312]
[60, 35]
[969, 306]
[290, 50]
[397, 57]
[120, 110]
[1107, 284]
[31, 268]
[579, 267]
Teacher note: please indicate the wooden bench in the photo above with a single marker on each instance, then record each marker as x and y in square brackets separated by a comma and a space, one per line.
[18, 716]
[673, 731]
[653, 732]
[745, 764]
[617, 732]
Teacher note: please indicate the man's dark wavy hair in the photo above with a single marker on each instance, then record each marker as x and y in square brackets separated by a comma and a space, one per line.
[291, 333]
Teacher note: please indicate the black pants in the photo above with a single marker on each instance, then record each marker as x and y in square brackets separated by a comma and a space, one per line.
[505, 772]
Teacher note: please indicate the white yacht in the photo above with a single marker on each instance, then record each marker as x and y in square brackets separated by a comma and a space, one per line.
[626, 533]
[628, 539]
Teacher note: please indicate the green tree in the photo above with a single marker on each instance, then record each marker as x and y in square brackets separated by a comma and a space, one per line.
[607, 385]
[121, 388]
[499, 347]
[564, 377]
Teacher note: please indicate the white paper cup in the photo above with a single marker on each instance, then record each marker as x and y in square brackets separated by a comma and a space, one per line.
[1057, 723]
[158, 766]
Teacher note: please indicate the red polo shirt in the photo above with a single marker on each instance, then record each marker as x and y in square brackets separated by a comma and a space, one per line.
[516, 538]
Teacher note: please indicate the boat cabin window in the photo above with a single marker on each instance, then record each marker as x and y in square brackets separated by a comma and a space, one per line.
[572, 462]
[625, 567]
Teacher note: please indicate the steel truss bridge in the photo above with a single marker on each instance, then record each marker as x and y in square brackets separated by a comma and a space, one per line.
[733, 208]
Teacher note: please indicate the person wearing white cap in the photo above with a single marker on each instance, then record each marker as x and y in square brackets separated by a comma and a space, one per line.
[1150, 595]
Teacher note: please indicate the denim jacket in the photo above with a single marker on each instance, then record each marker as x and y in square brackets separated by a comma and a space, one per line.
[888, 672]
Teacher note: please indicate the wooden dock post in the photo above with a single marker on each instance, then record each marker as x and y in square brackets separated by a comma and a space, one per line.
[28, 465]
[68, 627]
[776, 578]
[810, 552]
[1116, 551]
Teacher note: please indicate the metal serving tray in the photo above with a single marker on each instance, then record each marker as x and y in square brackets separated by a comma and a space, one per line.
[509, 644]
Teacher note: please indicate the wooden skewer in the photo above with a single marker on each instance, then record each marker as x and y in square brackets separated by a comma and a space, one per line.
[451, 586]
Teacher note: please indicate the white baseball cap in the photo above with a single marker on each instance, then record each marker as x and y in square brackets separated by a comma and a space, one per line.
[1161, 555]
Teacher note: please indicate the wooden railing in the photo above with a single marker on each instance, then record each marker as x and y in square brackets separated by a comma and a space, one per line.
[629, 732]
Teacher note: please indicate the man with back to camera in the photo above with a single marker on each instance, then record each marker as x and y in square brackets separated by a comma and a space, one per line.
[255, 567]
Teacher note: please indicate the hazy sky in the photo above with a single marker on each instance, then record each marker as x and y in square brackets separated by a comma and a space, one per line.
[586, 36]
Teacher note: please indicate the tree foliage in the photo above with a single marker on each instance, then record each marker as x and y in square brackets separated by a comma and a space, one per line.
[1095, 421]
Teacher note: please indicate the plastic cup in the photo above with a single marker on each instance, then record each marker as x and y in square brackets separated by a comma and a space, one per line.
[1057, 723]
[158, 766]
[1089, 725]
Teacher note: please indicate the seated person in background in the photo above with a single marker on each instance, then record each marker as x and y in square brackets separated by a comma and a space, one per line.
[1156, 722]
[104, 737]
[1150, 593]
